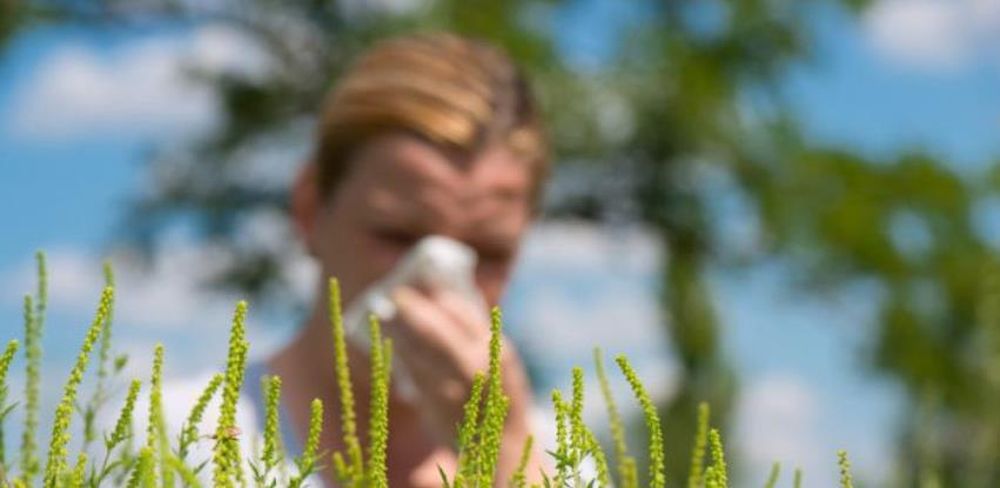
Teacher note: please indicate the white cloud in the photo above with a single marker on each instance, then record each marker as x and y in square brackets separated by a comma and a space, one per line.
[162, 303]
[142, 86]
[934, 35]
[581, 286]
[166, 297]
[777, 420]
[572, 244]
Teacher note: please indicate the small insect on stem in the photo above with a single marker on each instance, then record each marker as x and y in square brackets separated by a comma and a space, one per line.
[229, 433]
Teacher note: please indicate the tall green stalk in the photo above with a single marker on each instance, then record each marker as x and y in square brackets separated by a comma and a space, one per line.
[656, 458]
[696, 472]
[627, 470]
[34, 321]
[56, 463]
[349, 471]
[228, 472]
[5, 360]
[376, 475]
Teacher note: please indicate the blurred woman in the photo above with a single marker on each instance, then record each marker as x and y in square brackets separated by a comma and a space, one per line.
[423, 135]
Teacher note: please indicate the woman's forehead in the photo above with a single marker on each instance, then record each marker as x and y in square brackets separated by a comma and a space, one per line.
[415, 172]
[410, 185]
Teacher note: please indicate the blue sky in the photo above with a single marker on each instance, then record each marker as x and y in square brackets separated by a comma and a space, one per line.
[875, 86]
[80, 108]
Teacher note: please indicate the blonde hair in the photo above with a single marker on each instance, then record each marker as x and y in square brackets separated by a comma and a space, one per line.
[454, 92]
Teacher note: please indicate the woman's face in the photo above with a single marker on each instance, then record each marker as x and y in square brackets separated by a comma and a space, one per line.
[400, 189]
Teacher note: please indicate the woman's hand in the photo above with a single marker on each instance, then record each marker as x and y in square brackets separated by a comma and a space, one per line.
[444, 341]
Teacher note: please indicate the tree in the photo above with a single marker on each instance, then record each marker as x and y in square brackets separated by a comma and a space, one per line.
[15, 15]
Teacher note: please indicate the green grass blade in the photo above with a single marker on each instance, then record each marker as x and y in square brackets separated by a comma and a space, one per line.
[772, 478]
[626, 463]
[696, 473]
[56, 462]
[657, 478]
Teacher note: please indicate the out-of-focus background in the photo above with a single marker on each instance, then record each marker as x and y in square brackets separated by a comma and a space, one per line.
[789, 209]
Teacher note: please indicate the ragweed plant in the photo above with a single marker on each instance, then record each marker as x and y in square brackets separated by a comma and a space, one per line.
[60, 430]
[519, 479]
[627, 470]
[156, 428]
[579, 460]
[5, 360]
[228, 471]
[307, 461]
[349, 465]
[100, 394]
[695, 475]
[272, 453]
[189, 431]
[656, 476]
[480, 432]
[772, 478]
[720, 475]
[34, 320]
[122, 429]
[846, 480]
[352, 470]
[378, 427]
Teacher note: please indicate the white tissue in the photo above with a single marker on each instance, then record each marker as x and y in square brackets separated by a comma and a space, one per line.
[436, 262]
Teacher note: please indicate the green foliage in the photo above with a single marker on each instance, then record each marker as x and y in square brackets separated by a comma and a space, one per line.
[100, 394]
[846, 481]
[143, 474]
[600, 460]
[695, 479]
[156, 428]
[350, 471]
[104, 353]
[772, 478]
[378, 424]
[5, 360]
[656, 476]
[34, 320]
[77, 477]
[496, 407]
[575, 442]
[481, 431]
[307, 461]
[189, 431]
[577, 429]
[159, 463]
[272, 450]
[123, 425]
[122, 431]
[467, 431]
[60, 429]
[720, 475]
[519, 479]
[627, 470]
[188, 476]
[228, 470]
[563, 465]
